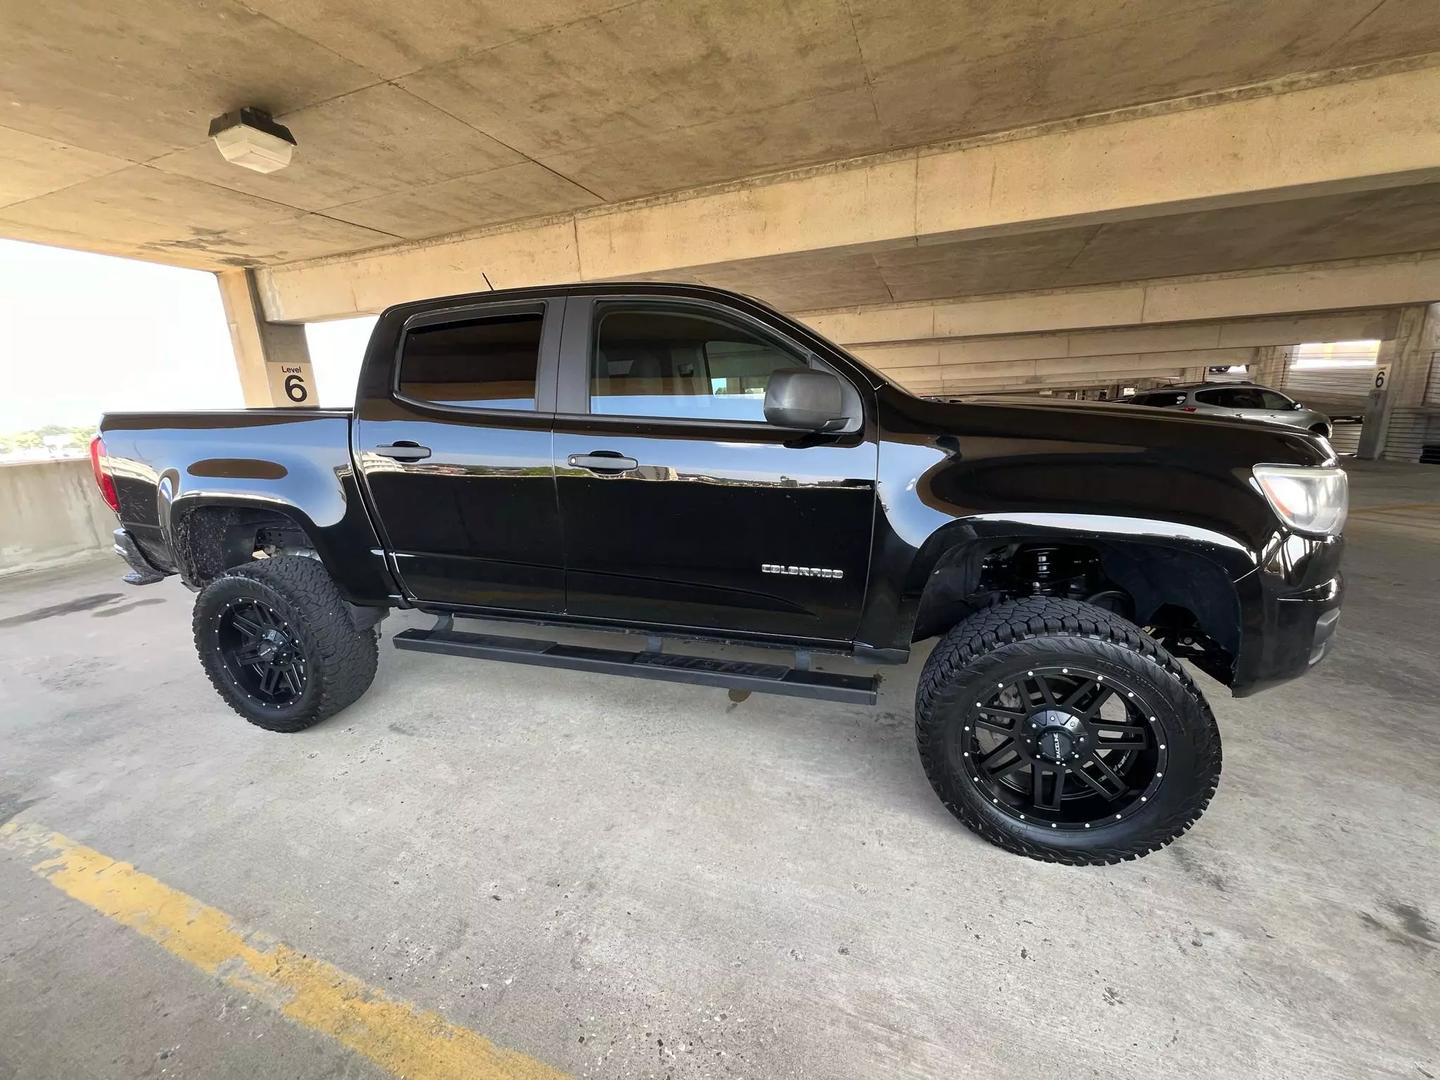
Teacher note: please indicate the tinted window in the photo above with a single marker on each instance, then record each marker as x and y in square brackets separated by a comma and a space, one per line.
[681, 364]
[481, 363]
[1238, 397]
[1167, 400]
[1275, 401]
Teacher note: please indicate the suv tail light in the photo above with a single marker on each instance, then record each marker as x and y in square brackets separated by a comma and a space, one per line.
[1187, 408]
[103, 479]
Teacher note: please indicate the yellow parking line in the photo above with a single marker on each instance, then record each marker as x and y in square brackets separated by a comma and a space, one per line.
[409, 1041]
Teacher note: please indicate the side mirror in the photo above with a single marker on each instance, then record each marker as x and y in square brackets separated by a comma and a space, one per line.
[804, 399]
[1297, 405]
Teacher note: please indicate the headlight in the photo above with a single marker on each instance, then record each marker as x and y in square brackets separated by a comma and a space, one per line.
[1309, 500]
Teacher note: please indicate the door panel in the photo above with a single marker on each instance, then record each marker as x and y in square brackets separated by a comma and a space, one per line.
[457, 458]
[476, 522]
[1278, 408]
[723, 524]
[684, 539]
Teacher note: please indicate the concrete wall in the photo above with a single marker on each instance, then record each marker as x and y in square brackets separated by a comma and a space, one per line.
[51, 514]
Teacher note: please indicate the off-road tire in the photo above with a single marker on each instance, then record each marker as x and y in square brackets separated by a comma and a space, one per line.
[340, 660]
[1044, 631]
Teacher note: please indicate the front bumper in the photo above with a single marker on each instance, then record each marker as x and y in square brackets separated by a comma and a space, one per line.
[1292, 609]
[141, 570]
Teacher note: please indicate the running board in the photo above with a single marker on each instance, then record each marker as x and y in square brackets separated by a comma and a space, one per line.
[647, 664]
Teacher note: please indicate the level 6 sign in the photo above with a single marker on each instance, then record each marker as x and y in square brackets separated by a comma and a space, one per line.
[1382, 376]
[291, 383]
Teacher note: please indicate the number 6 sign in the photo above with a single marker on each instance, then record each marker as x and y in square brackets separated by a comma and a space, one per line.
[291, 383]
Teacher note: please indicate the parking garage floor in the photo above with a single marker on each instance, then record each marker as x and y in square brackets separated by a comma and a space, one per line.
[483, 871]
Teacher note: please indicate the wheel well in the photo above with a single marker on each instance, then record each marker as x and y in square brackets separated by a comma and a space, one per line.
[1183, 599]
[212, 539]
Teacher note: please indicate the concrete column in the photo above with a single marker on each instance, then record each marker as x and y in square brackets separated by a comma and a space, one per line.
[1394, 418]
[272, 358]
[1270, 364]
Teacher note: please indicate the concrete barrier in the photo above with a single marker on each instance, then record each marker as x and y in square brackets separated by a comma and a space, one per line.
[51, 514]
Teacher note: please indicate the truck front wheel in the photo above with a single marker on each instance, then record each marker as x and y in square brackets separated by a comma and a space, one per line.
[1058, 730]
[278, 644]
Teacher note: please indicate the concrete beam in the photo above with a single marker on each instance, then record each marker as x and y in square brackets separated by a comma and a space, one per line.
[1090, 357]
[1288, 291]
[1373, 133]
[273, 359]
[929, 369]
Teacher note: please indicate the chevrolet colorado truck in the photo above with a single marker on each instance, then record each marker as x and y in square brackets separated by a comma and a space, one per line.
[684, 463]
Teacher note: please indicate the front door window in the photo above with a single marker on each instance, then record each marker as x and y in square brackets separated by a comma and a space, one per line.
[681, 365]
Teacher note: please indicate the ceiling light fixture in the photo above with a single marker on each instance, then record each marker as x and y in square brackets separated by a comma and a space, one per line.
[250, 138]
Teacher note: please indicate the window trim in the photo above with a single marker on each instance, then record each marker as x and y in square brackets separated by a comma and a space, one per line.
[551, 318]
[581, 340]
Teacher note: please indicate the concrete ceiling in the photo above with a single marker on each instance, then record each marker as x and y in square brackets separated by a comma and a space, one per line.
[1361, 224]
[428, 117]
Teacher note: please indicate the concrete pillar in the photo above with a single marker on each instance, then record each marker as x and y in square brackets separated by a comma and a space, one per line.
[1395, 422]
[1270, 365]
[272, 358]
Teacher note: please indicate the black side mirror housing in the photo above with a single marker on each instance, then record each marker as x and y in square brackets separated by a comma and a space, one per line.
[803, 399]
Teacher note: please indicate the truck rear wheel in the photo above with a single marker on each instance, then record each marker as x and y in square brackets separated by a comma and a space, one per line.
[278, 644]
[1058, 730]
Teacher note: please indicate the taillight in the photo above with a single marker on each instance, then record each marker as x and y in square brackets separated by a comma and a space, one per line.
[1187, 408]
[102, 478]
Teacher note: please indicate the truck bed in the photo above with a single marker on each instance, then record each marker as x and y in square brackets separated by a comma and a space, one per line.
[288, 459]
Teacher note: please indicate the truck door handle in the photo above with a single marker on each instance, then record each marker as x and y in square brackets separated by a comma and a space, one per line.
[602, 461]
[403, 451]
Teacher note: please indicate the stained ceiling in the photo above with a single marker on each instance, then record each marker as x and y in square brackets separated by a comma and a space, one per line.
[430, 117]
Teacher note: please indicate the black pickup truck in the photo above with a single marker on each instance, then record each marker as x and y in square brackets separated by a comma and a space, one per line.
[686, 463]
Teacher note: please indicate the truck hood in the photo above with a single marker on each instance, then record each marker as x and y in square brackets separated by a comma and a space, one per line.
[1104, 424]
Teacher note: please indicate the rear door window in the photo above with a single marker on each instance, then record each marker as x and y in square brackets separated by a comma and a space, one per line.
[483, 363]
[1166, 400]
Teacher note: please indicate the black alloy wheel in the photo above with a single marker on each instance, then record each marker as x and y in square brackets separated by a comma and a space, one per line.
[1065, 747]
[278, 643]
[266, 661]
[1061, 731]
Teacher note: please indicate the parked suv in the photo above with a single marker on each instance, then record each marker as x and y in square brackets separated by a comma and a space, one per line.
[1244, 401]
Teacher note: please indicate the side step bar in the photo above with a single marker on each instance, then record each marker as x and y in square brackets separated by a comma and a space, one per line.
[647, 664]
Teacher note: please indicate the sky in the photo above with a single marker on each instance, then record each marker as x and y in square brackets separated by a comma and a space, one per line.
[84, 334]
[336, 349]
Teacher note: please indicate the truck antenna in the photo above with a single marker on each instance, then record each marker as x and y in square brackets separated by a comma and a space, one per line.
[487, 280]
